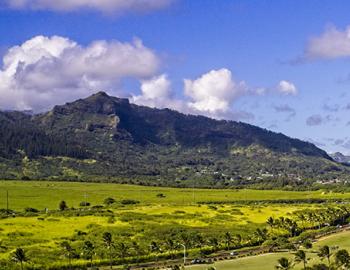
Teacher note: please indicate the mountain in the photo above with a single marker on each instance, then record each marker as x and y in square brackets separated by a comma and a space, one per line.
[339, 157]
[104, 138]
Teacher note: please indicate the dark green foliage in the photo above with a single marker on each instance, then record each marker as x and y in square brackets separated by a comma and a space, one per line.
[127, 143]
[129, 201]
[62, 206]
[19, 256]
[109, 201]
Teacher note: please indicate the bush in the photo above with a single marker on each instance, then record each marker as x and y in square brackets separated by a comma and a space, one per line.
[63, 206]
[84, 204]
[109, 201]
[31, 210]
[129, 201]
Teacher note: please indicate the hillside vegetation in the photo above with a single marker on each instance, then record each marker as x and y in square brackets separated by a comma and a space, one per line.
[103, 138]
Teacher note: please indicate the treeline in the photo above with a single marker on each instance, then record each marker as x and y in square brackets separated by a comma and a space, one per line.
[18, 135]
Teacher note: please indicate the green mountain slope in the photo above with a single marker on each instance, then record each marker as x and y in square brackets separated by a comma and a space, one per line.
[103, 138]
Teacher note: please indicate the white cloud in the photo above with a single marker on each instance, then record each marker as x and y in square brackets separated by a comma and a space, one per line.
[157, 87]
[108, 6]
[156, 92]
[46, 71]
[213, 92]
[333, 43]
[287, 88]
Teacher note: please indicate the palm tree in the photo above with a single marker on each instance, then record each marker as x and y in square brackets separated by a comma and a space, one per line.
[88, 251]
[300, 256]
[68, 252]
[214, 242]
[154, 247]
[237, 239]
[122, 250]
[108, 241]
[284, 264]
[228, 240]
[325, 252]
[19, 256]
[271, 222]
[342, 258]
[170, 245]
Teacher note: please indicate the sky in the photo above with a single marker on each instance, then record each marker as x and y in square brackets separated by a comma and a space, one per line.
[281, 65]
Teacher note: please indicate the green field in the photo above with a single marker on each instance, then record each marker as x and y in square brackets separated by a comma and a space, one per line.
[48, 194]
[175, 215]
[268, 261]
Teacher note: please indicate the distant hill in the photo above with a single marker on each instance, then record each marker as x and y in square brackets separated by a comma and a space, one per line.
[104, 138]
[339, 157]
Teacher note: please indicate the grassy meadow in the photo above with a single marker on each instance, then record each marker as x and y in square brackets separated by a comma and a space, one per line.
[43, 194]
[151, 218]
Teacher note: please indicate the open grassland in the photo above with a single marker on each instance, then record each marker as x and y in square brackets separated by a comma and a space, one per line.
[43, 194]
[152, 218]
[269, 261]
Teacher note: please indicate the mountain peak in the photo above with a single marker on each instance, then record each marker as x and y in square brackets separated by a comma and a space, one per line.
[99, 102]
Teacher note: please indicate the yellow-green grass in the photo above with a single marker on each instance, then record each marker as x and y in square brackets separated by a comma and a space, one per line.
[47, 231]
[44, 194]
[269, 261]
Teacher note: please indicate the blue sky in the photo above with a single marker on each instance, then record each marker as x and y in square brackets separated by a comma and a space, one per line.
[233, 54]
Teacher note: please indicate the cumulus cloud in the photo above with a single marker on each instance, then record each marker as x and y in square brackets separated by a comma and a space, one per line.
[44, 71]
[108, 6]
[157, 92]
[213, 92]
[287, 88]
[331, 44]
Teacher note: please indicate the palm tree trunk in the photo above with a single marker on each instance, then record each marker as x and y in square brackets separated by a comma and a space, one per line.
[110, 259]
[21, 265]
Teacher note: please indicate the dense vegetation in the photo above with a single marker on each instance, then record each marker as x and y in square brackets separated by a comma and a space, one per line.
[102, 138]
[58, 225]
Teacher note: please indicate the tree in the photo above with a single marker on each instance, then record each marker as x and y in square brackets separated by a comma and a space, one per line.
[19, 256]
[342, 258]
[108, 241]
[284, 264]
[88, 251]
[228, 240]
[214, 242]
[63, 206]
[69, 252]
[122, 250]
[325, 253]
[109, 201]
[300, 256]
[237, 239]
[271, 222]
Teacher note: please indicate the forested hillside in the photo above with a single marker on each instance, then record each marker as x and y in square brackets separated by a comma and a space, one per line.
[103, 138]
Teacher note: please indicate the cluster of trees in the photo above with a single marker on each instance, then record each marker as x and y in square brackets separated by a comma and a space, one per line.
[18, 133]
[310, 219]
[334, 259]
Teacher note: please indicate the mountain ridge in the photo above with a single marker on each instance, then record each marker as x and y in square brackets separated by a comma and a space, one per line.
[107, 138]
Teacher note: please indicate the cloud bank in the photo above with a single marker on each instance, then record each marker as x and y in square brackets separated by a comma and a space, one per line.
[106, 6]
[44, 71]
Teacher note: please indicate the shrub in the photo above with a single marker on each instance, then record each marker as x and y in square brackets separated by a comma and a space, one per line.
[63, 206]
[31, 210]
[109, 201]
[84, 204]
[129, 201]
